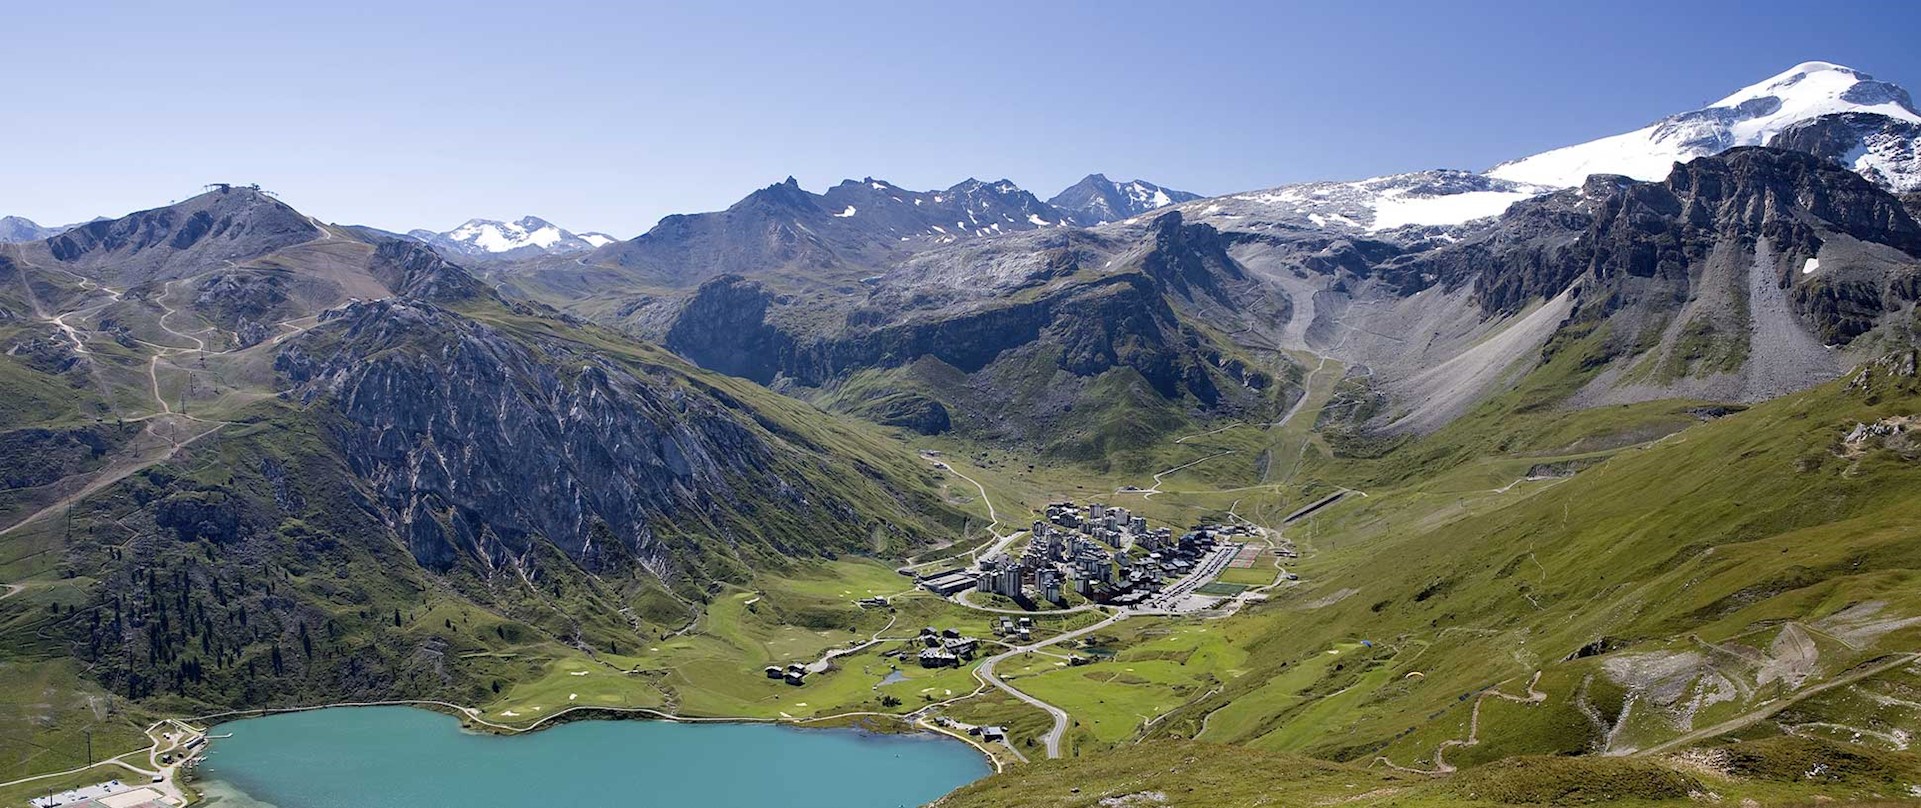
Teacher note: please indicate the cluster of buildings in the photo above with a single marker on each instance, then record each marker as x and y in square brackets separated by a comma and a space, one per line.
[986, 733]
[1084, 549]
[1111, 525]
[1007, 627]
[946, 648]
[1157, 560]
[1103, 553]
[795, 673]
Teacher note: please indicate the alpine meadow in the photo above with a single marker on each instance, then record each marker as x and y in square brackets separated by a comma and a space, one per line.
[1593, 477]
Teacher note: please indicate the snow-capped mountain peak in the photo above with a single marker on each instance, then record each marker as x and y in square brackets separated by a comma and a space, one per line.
[1751, 116]
[1096, 199]
[499, 237]
[1820, 88]
[529, 235]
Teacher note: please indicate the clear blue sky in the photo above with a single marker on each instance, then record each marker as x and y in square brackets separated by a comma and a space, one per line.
[606, 116]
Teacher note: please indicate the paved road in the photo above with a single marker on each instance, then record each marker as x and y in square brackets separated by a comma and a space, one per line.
[1052, 739]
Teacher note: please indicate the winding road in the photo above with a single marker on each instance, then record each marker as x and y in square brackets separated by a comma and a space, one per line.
[985, 672]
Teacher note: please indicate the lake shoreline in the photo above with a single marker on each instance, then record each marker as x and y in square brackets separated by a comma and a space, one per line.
[356, 756]
[471, 719]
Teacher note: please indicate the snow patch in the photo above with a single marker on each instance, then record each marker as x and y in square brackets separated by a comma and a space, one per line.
[849, 212]
[1397, 210]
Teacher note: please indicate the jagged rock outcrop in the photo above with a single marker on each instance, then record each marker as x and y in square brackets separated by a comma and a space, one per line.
[1884, 149]
[1190, 260]
[412, 270]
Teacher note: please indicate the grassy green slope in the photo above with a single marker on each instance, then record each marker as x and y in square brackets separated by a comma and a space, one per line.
[1189, 773]
[1658, 561]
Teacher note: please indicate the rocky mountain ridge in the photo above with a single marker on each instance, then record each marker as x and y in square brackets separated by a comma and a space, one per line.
[1042, 358]
[1097, 200]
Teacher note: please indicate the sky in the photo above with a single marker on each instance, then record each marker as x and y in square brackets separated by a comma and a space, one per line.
[607, 116]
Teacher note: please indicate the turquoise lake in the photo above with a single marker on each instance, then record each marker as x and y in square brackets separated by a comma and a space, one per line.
[400, 757]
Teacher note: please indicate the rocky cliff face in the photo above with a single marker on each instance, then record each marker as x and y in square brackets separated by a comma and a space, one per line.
[1615, 228]
[413, 271]
[1190, 260]
[482, 442]
[1099, 325]
[1723, 281]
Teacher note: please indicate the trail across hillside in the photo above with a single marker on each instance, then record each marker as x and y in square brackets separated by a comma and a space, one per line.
[1150, 491]
[1441, 766]
[164, 422]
